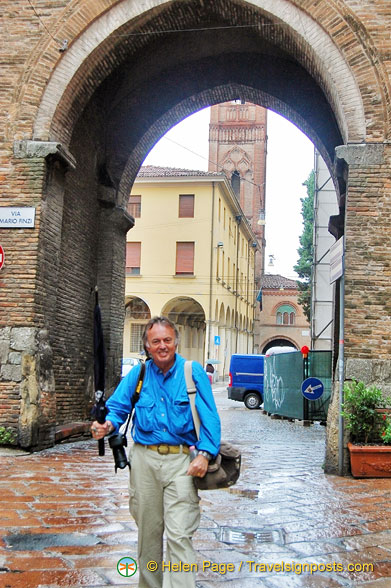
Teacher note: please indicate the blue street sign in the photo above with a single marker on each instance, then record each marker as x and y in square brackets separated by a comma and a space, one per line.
[312, 388]
[217, 339]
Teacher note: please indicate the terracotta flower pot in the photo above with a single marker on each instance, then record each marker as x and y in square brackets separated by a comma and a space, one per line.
[370, 461]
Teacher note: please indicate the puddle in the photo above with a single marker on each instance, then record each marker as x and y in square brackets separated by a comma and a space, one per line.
[245, 493]
[237, 535]
[39, 541]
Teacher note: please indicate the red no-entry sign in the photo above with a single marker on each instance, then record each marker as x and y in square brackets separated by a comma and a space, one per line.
[1, 257]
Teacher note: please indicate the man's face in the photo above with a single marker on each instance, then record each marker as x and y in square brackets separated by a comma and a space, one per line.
[162, 346]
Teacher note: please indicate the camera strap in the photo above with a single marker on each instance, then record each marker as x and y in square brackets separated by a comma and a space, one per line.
[136, 394]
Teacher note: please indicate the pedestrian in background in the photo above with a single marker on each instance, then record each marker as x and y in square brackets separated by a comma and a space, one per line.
[210, 371]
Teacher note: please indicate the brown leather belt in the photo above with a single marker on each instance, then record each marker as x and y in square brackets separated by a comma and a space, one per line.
[165, 449]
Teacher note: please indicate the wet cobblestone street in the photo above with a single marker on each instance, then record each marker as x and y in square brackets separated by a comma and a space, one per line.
[65, 522]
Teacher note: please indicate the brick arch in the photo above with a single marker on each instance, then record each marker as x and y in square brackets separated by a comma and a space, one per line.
[282, 303]
[105, 44]
[115, 92]
[275, 338]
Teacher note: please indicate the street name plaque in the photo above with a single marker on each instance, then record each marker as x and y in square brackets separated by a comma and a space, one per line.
[12, 217]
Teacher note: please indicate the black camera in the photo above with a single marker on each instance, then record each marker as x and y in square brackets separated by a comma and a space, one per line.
[117, 443]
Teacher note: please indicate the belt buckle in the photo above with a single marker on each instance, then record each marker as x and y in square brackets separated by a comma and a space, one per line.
[163, 449]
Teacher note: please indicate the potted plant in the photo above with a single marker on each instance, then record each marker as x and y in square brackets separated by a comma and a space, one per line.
[365, 414]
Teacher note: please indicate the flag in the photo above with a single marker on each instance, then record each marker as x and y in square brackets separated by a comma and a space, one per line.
[259, 299]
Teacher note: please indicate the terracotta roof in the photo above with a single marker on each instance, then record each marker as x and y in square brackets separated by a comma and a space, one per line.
[152, 171]
[275, 282]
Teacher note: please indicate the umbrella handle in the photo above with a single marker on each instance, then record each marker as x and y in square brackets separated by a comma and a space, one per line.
[100, 415]
[101, 446]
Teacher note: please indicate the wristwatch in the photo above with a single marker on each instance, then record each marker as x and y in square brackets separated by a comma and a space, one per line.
[206, 454]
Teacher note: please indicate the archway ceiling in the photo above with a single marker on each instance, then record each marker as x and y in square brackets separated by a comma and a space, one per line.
[184, 310]
[152, 75]
[264, 75]
[269, 82]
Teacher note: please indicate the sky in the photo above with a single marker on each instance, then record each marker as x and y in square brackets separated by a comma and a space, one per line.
[290, 159]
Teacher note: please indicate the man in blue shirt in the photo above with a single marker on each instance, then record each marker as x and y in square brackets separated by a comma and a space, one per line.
[163, 498]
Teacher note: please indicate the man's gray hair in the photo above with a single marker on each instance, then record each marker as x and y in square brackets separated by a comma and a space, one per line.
[159, 320]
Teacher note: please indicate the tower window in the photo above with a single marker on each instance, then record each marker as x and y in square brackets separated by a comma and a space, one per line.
[235, 182]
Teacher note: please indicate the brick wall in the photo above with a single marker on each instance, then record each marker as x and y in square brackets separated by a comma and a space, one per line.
[104, 101]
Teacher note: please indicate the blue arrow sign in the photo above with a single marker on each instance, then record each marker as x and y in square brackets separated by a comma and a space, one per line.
[312, 388]
[217, 339]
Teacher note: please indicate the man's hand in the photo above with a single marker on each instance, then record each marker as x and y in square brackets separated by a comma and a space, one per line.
[198, 467]
[99, 431]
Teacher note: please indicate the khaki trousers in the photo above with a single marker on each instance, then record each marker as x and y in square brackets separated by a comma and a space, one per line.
[163, 500]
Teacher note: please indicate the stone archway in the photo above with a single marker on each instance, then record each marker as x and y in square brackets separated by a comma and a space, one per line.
[190, 318]
[80, 118]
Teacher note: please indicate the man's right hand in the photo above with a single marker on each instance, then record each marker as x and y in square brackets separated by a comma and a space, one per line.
[98, 430]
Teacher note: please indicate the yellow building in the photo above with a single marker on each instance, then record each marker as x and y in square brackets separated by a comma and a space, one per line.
[190, 256]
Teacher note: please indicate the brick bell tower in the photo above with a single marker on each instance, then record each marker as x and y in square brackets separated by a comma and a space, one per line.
[237, 146]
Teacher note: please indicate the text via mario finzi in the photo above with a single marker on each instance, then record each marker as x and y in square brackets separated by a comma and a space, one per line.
[17, 218]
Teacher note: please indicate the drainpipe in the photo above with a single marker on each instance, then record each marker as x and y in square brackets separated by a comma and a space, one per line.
[247, 287]
[253, 296]
[238, 219]
[341, 374]
[209, 322]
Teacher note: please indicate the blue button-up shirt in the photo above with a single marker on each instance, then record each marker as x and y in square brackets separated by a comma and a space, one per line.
[163, 413]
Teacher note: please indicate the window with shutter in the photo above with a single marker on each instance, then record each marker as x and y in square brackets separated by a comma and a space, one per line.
[134, 206]
[186, 205]
[133, 256]
[184, 258]
[136, 333]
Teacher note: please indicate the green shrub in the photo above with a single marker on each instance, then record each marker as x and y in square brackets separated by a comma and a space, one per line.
[359, 411]
[386, 432]
[7, 436]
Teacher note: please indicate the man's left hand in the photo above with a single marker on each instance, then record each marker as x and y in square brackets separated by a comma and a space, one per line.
[198, 467]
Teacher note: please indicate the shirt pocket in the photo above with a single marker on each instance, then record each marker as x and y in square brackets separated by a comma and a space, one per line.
[145, 415]
[181, 417]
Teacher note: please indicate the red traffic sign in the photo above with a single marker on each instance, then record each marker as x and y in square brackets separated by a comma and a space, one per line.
[1, 257]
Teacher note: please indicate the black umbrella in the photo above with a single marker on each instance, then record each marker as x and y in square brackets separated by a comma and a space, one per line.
[99, 411]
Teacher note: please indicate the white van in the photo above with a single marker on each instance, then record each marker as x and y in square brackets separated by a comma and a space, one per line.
[276, 350]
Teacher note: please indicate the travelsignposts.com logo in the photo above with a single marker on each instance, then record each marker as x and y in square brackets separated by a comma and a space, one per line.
[127, 567]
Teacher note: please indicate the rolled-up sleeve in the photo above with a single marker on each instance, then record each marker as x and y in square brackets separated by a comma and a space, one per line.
[210, 428]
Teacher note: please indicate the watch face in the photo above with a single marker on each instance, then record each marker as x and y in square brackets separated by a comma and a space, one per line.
[205, 454]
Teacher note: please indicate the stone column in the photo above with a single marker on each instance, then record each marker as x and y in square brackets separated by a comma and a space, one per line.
[367, 319]
[114, 222]
[27, 363]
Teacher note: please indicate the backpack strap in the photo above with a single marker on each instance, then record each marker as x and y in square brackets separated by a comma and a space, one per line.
[191, 390]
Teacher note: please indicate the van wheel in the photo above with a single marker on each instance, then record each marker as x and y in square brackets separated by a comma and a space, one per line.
[252, 400]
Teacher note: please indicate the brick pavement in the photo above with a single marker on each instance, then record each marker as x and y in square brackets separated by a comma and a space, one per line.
[71, 511]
